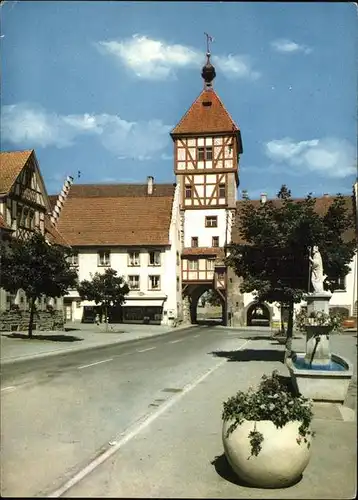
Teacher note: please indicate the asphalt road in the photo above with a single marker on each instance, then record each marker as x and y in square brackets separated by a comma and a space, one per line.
[60, 412]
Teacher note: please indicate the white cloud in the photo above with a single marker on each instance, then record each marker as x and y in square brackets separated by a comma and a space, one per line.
[25, 124]
[288, 46]
[165, 156]
[151, 59]
[331, 157]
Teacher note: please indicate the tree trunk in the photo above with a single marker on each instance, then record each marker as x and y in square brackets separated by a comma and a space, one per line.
[282, 319]
[288, 351]
[106, 316]
[32, 312]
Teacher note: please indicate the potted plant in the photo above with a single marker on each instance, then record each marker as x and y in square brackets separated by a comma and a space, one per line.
[267, 433]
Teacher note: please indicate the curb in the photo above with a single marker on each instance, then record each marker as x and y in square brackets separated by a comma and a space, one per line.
[26, 357]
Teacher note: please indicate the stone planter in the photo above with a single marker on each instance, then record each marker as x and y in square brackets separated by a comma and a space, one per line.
[281, 460]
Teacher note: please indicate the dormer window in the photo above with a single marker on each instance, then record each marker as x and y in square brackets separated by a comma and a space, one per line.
[205, 153]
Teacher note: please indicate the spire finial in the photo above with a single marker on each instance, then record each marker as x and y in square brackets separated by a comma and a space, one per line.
[208, 39]
[208, 73]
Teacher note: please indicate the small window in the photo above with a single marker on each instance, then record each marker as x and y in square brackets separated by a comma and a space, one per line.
[18, 215]
[73, 259]
[211, 221]
[133, 282]
[215, 241]
[339, 283]
[154, 258]
[210, 264]
[188, 191]
[222, 191]
[193, 264]
[178, 284]
[194, 242]
[178, 259]
[205, 153]
[133, 259]
[104, 258]
[154, 282]
[25, 217]
[31, 219]
[78, 304]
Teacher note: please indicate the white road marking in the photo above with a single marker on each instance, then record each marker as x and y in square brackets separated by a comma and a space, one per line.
[10, 388]
[93, 364]
[175, 341]
[144, 350]
[131, 433]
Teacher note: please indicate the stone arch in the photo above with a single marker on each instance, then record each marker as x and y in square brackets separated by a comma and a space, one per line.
[191, 296]
[258, 314]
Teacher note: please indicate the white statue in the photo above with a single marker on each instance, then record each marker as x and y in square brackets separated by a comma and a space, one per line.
[317, 276]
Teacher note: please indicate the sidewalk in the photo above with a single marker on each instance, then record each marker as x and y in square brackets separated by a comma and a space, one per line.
[178, 452]
[76, 337]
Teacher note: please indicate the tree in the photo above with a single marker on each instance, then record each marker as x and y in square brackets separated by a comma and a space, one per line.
[213, 298]
[105, 289]
[273, 261]
[37, 268]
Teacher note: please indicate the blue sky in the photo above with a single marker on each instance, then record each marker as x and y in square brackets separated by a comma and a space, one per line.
[96, 87]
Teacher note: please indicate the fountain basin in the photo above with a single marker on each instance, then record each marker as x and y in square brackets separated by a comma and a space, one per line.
[321, 383]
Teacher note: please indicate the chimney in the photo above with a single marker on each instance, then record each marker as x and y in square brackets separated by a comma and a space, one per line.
[150, 181]
[326, 195]
[263, 198]
[61, 200]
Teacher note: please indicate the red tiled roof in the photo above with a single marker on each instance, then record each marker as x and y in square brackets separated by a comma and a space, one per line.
[322, 205]
[11, 164]
[114, 190]
[201, 118]
[109, 215]
[52, 234]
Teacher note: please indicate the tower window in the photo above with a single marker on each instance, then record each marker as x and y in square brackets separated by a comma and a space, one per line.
[222, 191]
[188, 191]
[205, 153]
[193, 264]
[215, 241]
[194, 242]
[211, 221]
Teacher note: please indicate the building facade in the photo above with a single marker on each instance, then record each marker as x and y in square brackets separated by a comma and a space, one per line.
[135, 230]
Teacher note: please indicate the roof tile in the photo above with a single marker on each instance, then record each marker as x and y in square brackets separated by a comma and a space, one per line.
[108, 215]
[11, 164]
[206, 118]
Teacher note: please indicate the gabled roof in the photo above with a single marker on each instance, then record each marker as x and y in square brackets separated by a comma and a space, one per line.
[122, 190]
[207, 114]
[98, 215]
[52, 234]
[322, 205]
[11, 164]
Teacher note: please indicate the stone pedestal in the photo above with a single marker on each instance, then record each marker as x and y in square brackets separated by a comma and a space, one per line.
[317, 336]
[318, 302]
[317, 345]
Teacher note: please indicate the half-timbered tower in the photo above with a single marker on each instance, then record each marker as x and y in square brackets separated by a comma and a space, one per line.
[207, 148]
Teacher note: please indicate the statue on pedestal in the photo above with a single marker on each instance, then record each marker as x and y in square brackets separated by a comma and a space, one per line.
[317, 276]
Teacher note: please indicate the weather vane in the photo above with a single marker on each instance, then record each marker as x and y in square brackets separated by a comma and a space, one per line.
[208, 39]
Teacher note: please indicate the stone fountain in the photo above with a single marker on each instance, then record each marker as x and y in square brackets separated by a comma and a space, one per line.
[317, 373]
